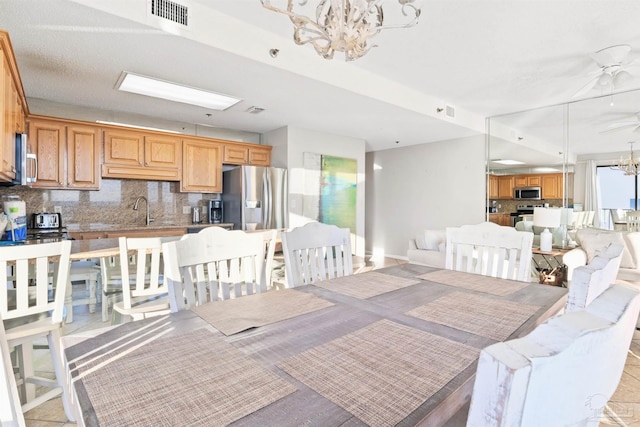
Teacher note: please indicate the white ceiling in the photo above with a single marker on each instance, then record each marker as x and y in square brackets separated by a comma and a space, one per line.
[482, 57]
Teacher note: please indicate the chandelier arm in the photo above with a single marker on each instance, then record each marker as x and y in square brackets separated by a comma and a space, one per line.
[295, 18]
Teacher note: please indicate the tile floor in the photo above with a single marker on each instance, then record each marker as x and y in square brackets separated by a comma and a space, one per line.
[622, 410]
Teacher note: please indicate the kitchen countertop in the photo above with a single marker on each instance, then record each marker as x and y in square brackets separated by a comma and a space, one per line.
[76, 228]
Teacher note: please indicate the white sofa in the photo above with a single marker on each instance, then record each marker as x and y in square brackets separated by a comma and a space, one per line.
[428, 248]
[593, 240]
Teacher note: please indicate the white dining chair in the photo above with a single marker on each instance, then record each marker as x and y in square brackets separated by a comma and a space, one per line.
[215, 264]
[563, 373]
[10, 408]
[144, 292]
[591, 280]
[633, 221]
[32, 308]
[316, 252]
[490, 250]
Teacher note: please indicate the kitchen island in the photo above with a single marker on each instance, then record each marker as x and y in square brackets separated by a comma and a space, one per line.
[106, 231]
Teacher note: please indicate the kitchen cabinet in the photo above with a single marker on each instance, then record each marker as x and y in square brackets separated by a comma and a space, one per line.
[138, 155]
[202, 166]
[68, 154]
[505, 187]
[246, 154]
[552, 186]
[13, 108]
[527, 181]
[493, 187]
[500, 219]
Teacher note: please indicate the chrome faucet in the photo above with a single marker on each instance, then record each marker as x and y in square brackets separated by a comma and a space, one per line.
[148, 219]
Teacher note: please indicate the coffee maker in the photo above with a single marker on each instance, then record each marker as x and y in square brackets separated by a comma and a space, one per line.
[216, 211]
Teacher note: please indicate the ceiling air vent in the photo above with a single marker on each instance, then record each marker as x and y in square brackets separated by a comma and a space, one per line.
[170, 10]
[450, 111]
[255, 110]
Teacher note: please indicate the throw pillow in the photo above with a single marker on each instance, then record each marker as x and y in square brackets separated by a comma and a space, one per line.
[420, 244]
[433, 239]
[594, 240]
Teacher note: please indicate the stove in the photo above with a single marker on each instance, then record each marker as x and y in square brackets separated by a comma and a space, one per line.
[522, 210]
[46, 226]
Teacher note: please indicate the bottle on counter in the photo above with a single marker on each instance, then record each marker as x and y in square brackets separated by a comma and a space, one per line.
[16, 212]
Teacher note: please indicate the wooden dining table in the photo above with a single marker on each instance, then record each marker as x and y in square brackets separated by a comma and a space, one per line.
[395, 346]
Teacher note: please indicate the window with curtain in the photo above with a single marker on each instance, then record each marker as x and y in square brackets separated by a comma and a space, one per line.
[617, 191]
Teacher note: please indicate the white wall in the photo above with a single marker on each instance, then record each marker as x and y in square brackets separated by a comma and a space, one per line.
[291, 143]
[431, 185]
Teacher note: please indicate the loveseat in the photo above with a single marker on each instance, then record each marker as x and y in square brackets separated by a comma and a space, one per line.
[428, 248]
[593, 240]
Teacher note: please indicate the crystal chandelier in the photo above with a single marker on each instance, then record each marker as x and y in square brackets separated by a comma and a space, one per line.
[343, 25]
[629, 166]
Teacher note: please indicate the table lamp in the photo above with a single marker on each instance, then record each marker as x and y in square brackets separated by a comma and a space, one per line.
[547, 218]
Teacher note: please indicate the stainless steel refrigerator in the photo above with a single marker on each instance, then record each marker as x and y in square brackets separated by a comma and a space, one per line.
[255, 197]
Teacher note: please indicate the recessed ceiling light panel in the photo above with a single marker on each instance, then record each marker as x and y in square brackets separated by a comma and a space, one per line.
[156, 88]
[508, 162]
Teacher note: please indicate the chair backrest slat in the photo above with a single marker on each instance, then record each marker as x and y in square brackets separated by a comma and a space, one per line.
[147, 273]
[490, 250]
[316, 252]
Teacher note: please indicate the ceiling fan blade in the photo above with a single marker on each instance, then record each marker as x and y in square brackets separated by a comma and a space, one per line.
[620, 126]
[623, 124]
[611, 55]
[586, 88]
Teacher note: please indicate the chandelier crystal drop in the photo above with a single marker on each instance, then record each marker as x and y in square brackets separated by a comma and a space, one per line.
[630, 166]
[342, 25]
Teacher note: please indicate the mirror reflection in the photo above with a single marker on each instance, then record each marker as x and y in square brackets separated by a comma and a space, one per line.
[578, 155]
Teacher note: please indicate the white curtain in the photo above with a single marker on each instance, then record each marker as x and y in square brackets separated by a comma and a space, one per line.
[591, 192]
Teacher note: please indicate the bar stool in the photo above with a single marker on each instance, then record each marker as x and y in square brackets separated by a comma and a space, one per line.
[89, 272]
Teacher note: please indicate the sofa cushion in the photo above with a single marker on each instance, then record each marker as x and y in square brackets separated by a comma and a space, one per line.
[594, 240]
[632, 241]
[435, 240]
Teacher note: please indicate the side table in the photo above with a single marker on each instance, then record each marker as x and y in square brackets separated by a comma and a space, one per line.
[550, 267]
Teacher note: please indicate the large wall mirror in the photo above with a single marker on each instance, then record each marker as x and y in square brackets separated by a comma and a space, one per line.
[568, 154]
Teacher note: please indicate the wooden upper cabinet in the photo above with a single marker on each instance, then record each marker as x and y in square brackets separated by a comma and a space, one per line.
[493, 187]
[246, 154]
[505, 187]
[47, 139]
[527, 181]
[83, 157]
[162, 151]
[552, 186]
[13, 108]
[138, 155]
[259, 156]
[201, 166]
[68, 154]
[236, 154]
[122, 147]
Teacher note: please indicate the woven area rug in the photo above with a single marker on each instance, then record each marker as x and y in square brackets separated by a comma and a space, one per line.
[383, 372]
[236, 315]
[475, 282]
[367, 285]
[165, 383]
[484, 316]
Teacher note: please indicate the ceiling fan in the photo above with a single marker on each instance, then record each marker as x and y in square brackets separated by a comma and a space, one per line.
[613, 65]
[633, 125]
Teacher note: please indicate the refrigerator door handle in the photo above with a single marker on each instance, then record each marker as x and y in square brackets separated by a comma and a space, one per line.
[267, 196]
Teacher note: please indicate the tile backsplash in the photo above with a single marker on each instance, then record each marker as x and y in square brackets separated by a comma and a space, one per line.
[113, 203]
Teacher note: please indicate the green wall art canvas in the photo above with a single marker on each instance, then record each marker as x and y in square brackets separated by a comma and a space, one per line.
[330, 189]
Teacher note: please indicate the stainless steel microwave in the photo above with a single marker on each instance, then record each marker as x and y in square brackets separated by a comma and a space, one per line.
[527, 193]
